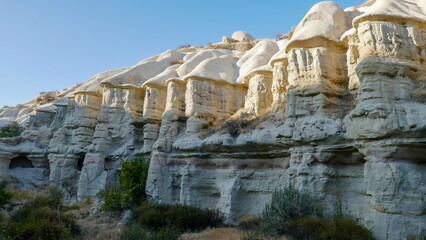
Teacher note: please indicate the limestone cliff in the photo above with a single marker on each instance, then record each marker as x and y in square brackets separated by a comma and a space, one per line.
[338, 108]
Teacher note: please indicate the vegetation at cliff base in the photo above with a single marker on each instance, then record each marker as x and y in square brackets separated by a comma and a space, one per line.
[286, 205]
[300, 216]
[150, 220]
[169, 221]
[130, 192]
[134, 231]
[4, 195]
[340, 228]
[133, 176]
[42, 218]
[185, 218]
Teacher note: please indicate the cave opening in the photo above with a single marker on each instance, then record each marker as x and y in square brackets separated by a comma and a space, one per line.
[80, 162]
[109, 164]
[20, 162]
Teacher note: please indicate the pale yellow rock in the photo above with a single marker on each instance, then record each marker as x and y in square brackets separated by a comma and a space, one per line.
[279, 86]
[212, 99]
[154, 103]
[259, 96]
[319, 66]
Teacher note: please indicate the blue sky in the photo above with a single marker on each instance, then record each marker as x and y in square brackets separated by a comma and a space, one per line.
[49, 44]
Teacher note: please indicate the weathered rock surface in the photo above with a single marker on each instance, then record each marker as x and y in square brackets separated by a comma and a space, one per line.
[337, 109]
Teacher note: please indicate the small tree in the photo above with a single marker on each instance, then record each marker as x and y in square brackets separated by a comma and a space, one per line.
[114, 198]
[131, 190]
[133, 176]
[56, 195]
[278, 35]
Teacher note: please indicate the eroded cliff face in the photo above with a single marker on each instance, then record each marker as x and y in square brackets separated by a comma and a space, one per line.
[337, 109]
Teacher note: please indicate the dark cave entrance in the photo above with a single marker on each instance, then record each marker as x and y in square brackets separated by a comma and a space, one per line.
[109, 164]
[20, 162]
[80, 162]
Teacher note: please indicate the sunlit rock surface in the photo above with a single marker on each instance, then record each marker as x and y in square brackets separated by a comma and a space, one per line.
[337, 108]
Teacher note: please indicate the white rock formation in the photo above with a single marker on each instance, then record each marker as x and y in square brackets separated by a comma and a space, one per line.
[338, 109]
[242, 36]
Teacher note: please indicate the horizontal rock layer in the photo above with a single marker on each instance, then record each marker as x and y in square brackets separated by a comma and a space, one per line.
[338, 109]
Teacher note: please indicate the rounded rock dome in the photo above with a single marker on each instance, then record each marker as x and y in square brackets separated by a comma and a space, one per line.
[242, 36]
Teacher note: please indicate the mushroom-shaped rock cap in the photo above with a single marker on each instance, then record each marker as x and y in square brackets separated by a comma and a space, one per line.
[393, 9]
[61, 102]
[353, 12]
[51, 108]
[144, 70]
[160, 80]
[94, 83]
[221, 68]
[258, 56]
[262, 69]
[324, 21]
[242, 36]
[281, 54]
[189, 65]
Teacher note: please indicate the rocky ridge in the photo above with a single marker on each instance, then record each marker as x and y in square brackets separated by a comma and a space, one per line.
[337, 109]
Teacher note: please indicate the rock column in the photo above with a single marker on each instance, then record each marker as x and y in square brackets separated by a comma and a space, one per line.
[390, 104]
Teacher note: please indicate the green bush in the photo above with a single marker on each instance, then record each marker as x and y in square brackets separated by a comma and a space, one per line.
[307, 228]
[346, 229]
[40, 220]
[3, 221]
[134, 231]
[298, 215]
[45, 230]
[163, 222]
[10, 130]
[185, 218]
[341, 228]
[131, 190]
[114, 199]
[4, 195]
[286, 205]
[133, 176]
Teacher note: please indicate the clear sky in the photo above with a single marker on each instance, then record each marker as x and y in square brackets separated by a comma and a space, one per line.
[52, 44]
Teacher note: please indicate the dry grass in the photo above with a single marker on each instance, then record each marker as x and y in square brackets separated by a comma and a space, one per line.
[111, 234]
[249, 222]
[214, 234]
[24, 196]
[226, 234]
[102, 226]
[185, 45]
[80, 210]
